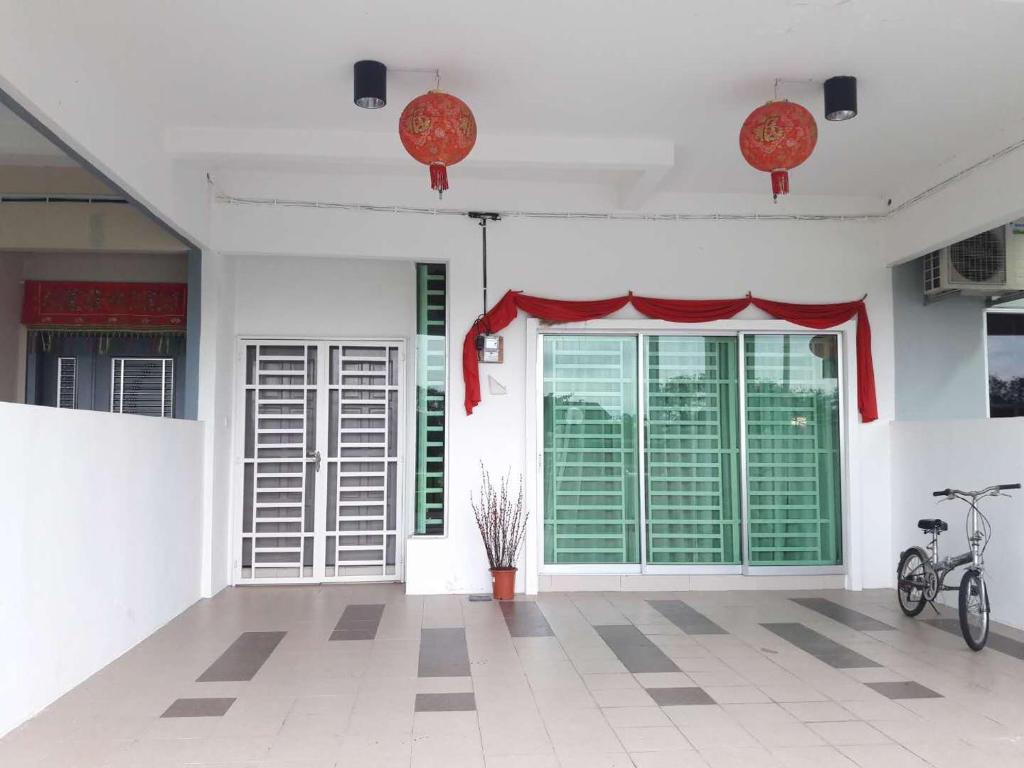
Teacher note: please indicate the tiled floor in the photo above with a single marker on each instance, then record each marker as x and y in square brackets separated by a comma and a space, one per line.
[312, 677]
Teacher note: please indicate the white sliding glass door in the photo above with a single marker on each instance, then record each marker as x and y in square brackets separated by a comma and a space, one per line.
[672, 451]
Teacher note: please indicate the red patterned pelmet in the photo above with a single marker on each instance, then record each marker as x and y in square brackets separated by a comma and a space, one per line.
[61, 304]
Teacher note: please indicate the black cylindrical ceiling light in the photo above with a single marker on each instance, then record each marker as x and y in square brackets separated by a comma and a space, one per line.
[840, 98]
[370, 84]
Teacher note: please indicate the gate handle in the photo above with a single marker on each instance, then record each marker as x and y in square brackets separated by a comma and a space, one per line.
[315, 455]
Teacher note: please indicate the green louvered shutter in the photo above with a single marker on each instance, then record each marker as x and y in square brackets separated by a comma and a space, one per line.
[692, 440]
[793, 459]
[431, 378]
[590, 449]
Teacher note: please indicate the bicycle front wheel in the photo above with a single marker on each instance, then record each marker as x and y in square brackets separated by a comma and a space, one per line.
[974, 610]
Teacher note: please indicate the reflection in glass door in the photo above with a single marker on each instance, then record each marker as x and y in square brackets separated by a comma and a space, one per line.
[693, 456]
[718, 432]
[793, 459]
[591, 510]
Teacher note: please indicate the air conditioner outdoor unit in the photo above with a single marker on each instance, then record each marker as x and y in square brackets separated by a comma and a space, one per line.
[987, 264]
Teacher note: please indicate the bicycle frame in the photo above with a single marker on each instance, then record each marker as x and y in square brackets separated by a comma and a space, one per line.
[975, 540]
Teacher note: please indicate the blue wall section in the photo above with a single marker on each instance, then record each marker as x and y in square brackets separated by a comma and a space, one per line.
[195, 303]
[940, 351]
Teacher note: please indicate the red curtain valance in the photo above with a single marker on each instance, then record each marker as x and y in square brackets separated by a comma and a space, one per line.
[817, 316]
[61, 304]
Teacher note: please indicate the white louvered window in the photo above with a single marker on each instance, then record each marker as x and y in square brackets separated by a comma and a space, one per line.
[67, 382]
[142, 385]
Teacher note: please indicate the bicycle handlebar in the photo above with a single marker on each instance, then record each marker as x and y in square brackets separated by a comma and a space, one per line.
[953, 491]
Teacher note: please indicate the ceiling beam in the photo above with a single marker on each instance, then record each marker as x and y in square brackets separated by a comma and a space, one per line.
[634, 192]
[643, 162]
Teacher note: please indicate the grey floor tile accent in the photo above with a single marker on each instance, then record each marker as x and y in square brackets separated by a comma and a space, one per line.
[1000, 643]
[243, 658]
[904, 689]
[675, 697]
[821, 647]
[445, 702]
[692, 622]
[443, 652]
[633, 648]
[525, 619]
[842, 614]
[358, 622]
[198, 708]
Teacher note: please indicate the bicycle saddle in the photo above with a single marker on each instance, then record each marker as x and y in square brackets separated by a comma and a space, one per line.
[933, 525]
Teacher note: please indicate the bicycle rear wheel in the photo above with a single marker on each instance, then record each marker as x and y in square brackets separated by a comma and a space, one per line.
[974, 610]
[911, 582]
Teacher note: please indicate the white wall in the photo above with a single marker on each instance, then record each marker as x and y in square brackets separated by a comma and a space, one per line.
[101, 516]
[940, 351]
[795, 261]
[324, 297]
[216, 371]
[967, 454]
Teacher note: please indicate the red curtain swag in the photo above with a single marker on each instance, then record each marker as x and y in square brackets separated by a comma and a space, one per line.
[817, 316]
[63, 304]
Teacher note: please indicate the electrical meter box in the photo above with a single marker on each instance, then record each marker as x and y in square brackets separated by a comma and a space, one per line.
[490, 348]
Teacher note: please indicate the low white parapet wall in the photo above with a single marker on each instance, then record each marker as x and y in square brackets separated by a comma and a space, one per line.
[101, 534]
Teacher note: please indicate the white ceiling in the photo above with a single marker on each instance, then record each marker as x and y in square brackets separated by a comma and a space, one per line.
[940, 82]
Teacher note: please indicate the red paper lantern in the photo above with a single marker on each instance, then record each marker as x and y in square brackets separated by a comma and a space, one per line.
[438, 130]
[776, 137]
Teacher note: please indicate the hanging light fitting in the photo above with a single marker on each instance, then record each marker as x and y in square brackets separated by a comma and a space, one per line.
[840, 98]
[370, 84]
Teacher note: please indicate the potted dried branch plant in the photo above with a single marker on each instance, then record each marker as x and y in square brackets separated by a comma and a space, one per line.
[502, 522]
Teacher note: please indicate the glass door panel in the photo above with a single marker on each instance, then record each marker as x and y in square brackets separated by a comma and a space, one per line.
[793, 449]
[692, 450]
[591, 505]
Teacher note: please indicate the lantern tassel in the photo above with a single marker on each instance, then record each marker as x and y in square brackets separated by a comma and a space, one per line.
[780, 184]
[438, 178]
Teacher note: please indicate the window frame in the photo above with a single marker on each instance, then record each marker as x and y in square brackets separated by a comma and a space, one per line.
[641, 328]
[414, 374]
[164, 361]
[61, 361]
[995, 310]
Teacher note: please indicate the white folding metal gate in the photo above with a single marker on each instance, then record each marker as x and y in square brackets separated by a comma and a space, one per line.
[322, 460]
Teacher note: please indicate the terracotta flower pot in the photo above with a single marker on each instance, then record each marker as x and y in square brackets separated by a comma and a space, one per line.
[503, 583]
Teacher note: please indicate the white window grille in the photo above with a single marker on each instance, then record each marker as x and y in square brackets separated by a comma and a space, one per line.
[67, 382]
[142, 385]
